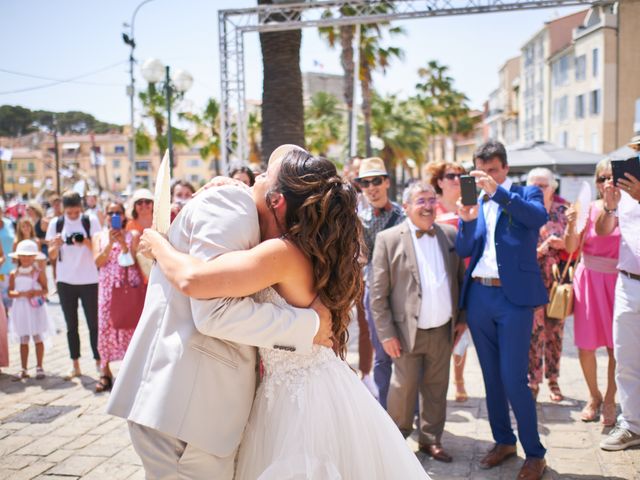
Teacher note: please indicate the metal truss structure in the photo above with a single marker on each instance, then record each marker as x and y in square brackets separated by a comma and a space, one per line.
[234, 23]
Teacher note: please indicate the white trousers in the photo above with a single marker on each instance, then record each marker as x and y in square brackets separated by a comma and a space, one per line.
[165, 457]
[626, 348]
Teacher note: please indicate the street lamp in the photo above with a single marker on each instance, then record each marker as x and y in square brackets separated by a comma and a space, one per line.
[129, 40]
[180, 81]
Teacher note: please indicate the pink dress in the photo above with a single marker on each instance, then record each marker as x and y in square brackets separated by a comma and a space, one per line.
[113, 343]
[594, 287]
[4, 342]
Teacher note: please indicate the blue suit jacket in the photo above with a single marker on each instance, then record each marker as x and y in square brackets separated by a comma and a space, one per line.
[521, 213]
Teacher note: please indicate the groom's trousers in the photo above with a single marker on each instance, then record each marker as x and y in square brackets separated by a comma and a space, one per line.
[501, 332]
[165, 457]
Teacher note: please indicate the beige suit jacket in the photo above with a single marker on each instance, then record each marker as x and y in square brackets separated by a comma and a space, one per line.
[396, 292]
[190, 370]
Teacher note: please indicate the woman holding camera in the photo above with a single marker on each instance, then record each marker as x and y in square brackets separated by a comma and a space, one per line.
[114, 252]
[69, 237]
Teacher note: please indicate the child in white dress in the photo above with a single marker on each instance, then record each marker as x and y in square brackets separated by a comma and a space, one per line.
[28, 317]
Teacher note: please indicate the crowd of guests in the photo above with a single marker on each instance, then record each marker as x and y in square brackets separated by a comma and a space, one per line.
[441, 275]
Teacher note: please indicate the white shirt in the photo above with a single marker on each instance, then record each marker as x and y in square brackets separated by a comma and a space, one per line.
[435, 307]
[629, 223]
[487, 266]
[76, 265]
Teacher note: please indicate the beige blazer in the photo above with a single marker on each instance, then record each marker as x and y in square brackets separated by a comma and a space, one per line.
[396, 293]
[190, 370]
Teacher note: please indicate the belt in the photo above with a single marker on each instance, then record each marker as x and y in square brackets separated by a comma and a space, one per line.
[488, 282]
[632, 276]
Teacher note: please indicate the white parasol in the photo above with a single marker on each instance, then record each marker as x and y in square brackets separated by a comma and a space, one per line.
[162, 197]
[583, 200]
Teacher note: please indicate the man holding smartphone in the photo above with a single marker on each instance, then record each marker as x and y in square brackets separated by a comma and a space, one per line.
[502, 286]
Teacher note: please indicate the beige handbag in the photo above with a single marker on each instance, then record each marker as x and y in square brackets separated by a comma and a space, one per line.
[560, 304]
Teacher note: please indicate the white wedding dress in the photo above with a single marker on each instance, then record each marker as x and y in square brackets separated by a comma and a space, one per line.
[313, 419]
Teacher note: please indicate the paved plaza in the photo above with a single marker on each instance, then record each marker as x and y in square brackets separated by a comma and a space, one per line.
[55, 429]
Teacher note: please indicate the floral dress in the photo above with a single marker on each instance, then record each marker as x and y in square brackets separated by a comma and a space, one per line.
[546, 338]
[112, 342]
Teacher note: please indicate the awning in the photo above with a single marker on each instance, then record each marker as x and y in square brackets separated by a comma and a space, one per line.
[71, 146]
[560, 160]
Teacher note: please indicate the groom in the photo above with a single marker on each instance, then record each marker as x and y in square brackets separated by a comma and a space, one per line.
[187, 382]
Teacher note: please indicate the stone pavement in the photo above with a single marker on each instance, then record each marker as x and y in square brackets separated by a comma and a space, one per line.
[54, 429]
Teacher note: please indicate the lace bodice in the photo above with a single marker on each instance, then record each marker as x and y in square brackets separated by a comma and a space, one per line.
[291, 370]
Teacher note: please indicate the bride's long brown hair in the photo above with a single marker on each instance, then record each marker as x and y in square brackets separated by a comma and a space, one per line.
[321, 220]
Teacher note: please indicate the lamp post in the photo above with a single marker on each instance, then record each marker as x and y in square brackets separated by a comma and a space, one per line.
[153, 72]
[129, 40]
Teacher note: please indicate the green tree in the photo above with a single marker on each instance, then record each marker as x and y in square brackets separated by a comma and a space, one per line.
[282, 107]
[15, 121]
[207, 135]
[154, 108]
[323, 123]
[398, 123]
[254, 132]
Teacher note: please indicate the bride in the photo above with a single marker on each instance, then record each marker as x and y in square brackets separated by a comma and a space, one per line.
[312, 418]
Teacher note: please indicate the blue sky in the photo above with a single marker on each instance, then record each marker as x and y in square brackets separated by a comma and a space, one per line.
[63, 38]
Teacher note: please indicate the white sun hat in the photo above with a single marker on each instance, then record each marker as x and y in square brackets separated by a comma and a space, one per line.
[28, 248]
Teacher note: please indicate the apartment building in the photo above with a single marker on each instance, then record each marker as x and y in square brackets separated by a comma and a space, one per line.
[503, 104]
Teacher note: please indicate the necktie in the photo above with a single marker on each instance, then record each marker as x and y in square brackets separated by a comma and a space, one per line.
[431, 232]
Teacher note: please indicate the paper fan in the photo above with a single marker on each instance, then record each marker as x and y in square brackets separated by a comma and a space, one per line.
[162, 197]
[583, 200]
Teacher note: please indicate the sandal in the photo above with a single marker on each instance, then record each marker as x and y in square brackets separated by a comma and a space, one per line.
[461, 393]
[591, 411]
[39, 373]
[556, 394]
[104, 384]
[609, 414]
[24, 374]
[72, 374]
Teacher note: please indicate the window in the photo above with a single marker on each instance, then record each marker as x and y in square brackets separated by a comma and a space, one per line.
[595, 146]
[581, 68]
[119, 149]
[143, 166]
[32, 167]
[194, 162]
[562, 138]
[594, 106]
[594, 62]
[194, 179]
[116, 163]
[580, 106]
[560, 71]
[118, 178]
[580, 143]
[560, 109]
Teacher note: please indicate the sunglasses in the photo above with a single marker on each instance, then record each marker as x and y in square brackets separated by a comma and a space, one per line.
[376, 182]
[115, 213]
[144, 202]
[602, 179]
[452, 176]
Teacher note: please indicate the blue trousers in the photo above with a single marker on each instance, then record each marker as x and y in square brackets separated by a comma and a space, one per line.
[382, 363]
[501, 332]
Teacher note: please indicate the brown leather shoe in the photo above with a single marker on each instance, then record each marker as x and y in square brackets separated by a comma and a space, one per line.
[436, 451]
[532, 469]
[498, 454]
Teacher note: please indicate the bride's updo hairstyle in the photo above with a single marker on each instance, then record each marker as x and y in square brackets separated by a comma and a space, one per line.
[321, 220]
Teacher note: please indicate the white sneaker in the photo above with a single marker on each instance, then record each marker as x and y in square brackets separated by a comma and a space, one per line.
[371, 385]
[619, 439]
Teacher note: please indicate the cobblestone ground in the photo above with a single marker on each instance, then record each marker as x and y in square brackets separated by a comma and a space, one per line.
[52, 428]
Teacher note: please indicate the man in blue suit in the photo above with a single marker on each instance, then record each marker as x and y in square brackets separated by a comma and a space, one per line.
[502, 286]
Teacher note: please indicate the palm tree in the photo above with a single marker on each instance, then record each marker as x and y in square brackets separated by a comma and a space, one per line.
[207, 132]
[373, 56]
[323, 123]
[282, 107]
[254, 127]
[399, 124]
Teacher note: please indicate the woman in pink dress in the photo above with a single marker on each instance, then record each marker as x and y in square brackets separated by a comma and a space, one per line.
[113, 247]
[445, 179]
[594, 287]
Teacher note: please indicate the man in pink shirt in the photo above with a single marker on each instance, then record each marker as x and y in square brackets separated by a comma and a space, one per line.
[622, 208]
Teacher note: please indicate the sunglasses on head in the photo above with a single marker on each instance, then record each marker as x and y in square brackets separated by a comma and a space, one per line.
[452, 176]
[144, 201]
[376, 182]
[602, 179]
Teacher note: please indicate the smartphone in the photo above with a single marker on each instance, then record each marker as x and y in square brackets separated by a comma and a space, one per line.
[620, 167]
[116, 221]
[468, 190]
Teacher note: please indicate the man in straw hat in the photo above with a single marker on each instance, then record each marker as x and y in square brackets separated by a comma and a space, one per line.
[380, 214]
[622, 209]
[187, 382]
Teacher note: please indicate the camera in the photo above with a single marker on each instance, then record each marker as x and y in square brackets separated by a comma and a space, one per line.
[74, 238]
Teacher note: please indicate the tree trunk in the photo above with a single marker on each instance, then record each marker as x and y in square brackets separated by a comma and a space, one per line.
[366, 106]
[346, 58]
[282, 107]
[387, 157]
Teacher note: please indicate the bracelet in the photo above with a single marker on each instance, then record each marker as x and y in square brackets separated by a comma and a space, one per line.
[609, 212]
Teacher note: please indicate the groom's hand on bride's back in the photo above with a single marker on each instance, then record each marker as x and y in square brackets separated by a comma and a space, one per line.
[325, 331]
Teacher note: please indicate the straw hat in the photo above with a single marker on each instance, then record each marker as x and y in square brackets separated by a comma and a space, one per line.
[371, 167]
[27, 248]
